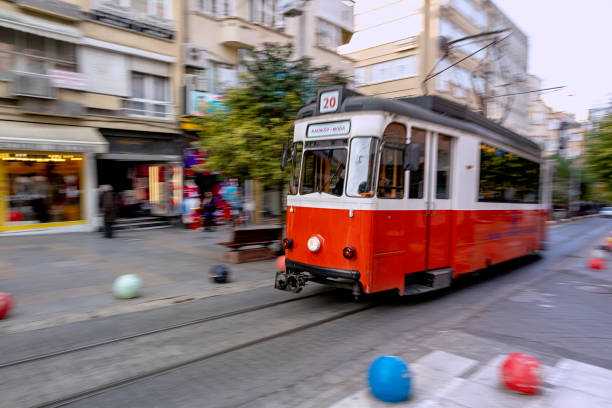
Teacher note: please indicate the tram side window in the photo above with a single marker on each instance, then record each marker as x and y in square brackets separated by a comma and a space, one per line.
[443, 167]
[417, 177]
[507, 178]
[391, 172]
[361, 167]
[296, 166]
[324, 171]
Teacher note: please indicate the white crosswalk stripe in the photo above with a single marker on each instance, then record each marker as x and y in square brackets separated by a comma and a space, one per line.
[447, 380]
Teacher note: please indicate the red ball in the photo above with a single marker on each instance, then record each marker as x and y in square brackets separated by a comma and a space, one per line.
[521, 373]
[597, 263]
[6, 304]
[280, 263]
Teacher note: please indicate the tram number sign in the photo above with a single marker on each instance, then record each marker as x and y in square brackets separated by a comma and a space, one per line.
[329, 129]
[329, 101]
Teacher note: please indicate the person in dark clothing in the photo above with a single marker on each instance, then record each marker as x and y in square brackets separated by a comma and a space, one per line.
[109, 209]
[210, 206]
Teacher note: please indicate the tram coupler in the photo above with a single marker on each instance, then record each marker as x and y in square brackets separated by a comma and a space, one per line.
[291, 281]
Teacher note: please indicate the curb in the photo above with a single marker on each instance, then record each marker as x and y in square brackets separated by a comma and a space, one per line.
[566, 220]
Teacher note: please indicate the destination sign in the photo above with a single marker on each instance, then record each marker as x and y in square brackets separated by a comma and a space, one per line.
[329, 129]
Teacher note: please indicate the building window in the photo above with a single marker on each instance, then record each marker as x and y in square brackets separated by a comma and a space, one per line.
[217, 8]
[43, 187]
[158, 8]
[224, 77]
[329, 36]
[150, 97]
[387, 71]
[265, 12]
[31, 53]
[469, 10]
[452, 32]
[507, 178]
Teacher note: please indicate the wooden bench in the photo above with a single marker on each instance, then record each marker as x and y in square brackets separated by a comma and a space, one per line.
[258, 237]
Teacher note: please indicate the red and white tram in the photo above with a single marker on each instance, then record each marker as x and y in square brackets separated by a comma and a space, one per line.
[406, 194]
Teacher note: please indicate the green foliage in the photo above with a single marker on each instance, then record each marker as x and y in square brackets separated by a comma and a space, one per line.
[599, 152]
[246, 139]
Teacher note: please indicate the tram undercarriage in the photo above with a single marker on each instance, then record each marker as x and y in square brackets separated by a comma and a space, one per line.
[294, 279]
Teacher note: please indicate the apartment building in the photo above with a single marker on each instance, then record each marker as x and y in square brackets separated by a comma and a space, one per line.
[220, 33]
[406, 48]
[89, 95]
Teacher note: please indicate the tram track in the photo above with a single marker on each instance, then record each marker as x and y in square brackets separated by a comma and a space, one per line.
[96, 368]
[134, 379]
[156, 331]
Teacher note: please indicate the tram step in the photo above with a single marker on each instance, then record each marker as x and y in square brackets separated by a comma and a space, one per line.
[439, 278]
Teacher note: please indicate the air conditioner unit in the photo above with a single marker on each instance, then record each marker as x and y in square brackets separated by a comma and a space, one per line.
[33, 85]
[291, 8]
[195, 55]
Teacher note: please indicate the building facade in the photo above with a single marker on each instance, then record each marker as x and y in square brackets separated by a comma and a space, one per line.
[89, 95]
[95, 92]
[464, 50]
[220, 33]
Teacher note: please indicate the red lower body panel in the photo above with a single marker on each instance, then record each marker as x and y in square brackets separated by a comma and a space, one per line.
[391, 244]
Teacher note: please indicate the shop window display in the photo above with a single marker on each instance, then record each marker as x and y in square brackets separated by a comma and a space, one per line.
[42, 188]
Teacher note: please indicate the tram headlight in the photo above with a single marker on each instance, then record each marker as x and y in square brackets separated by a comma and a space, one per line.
[314, 244]
[349, 252]
[287, 243]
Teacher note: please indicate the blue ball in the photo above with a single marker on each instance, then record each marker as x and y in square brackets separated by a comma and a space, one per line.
[390, 379]
[219, 274]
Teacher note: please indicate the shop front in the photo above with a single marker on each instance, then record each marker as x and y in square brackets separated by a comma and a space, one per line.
[145, 170]
[47, 177]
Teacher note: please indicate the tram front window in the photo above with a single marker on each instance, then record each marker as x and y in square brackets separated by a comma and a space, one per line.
[361, 167]
[323, 171]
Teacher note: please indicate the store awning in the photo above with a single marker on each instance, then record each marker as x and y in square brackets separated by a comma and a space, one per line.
[38, 26]
[51, 138]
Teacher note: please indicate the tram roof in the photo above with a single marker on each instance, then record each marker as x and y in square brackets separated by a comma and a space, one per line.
[436, 110]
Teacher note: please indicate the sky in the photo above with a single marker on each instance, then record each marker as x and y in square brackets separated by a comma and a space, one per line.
[570, 43]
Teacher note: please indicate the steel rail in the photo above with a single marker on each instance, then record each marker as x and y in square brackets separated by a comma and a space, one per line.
[101, 389]
[155, 331]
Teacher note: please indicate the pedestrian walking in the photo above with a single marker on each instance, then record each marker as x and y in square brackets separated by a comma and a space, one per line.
[109, 208]
[210, 207]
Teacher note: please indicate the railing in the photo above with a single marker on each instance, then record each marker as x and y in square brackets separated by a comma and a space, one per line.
[148, 108]
[32, 85]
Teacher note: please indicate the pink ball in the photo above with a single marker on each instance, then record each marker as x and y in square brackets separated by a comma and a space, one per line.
[6, 304]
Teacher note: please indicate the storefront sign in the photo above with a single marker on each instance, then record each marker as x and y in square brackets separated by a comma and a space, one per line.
[68, 79]
[329, 129]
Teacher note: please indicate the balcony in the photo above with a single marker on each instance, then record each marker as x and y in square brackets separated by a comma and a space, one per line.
[146, 108]
[32, 85]
[235, 32]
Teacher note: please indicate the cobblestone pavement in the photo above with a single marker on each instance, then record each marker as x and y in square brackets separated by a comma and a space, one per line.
[63, 278]
[454, 339]
[449, 379]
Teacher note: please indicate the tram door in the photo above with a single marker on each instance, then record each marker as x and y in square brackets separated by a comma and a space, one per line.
[439, 222]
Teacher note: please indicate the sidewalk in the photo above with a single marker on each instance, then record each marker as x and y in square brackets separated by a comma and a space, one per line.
[63, 278]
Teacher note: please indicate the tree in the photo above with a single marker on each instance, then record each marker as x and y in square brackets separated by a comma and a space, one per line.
[245, 138]
[599, 153]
